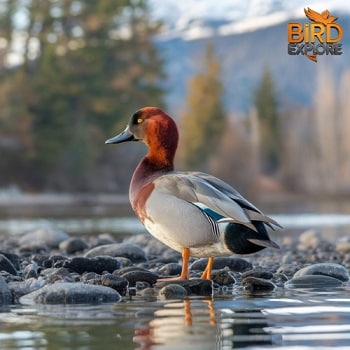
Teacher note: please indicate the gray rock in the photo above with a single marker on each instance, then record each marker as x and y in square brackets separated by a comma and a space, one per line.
[223, 277]
[97, 264]
[19, 289]
[71, 293]
[118, 283]
[173, 291]
[313, 281]
[6, 265]
[46, 236]
[140, 276]
[254, 285]
[126, 250]
[258, 273]
[233, 263]
[328, 269]
[73, 245]
[5, 292]
[171, 269]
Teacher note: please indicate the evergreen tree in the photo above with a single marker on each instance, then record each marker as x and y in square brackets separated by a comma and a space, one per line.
[86, 65]
[266, 105]
[204, 120]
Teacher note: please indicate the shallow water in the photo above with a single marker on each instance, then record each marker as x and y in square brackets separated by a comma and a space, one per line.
[303, 320]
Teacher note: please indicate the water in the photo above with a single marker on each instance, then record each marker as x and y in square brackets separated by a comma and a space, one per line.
[304, 320]
[286, 319]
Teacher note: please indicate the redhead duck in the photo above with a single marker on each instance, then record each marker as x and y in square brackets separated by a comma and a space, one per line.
[194, 213]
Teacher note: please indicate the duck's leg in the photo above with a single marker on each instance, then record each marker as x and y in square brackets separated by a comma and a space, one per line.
[206, 275]
[184, 271]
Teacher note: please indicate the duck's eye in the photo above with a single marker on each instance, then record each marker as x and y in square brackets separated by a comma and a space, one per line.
[139, 120]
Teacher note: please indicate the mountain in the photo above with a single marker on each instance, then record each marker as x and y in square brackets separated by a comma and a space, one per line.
[244, 53]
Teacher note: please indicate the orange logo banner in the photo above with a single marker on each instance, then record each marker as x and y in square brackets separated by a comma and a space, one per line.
[321, 36]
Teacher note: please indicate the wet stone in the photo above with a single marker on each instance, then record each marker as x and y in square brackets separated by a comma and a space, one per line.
[256, 285]
[140, 276]
[31, 271]
[126, 250]
[71, 293]
[223, 277]
[258, 273]
[46, 236]
[73, 245]
[19, 289]
[5, 292]
[54, 275]
[117, 283]
[233, 263]
[14, 258]
[97, 264]
[170, 269]
[328, 269]
[173, 291]
[6, 265]
[313, 281]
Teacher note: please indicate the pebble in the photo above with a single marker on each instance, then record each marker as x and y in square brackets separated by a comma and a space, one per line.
[71, 293]
[313, 281]
[233, 263]
[173, 291]
[223, 277]
[97, 264]
[328, 269]
[140, 276]
[126, 250]
[5, 292]
[6, 265]
[46, 236]
[255, 285]
[73, 245]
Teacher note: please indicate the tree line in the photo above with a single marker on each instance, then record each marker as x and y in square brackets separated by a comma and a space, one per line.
[72, 72]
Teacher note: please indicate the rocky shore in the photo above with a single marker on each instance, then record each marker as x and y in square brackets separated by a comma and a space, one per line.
[48, 266]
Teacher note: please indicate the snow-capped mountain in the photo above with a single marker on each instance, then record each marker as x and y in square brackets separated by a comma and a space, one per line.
[195, 19]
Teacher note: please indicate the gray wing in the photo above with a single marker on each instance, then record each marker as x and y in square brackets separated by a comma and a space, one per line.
[207, 191]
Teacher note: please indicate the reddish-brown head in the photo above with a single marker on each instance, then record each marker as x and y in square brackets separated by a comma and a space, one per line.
[157, 130]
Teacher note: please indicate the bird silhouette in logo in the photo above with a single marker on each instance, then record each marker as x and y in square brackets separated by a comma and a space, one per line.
[322, 17]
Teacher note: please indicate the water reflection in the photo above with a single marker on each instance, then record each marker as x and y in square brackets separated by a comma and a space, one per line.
[197, 324]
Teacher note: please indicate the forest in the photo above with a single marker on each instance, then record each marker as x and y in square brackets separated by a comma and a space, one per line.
[72, 72]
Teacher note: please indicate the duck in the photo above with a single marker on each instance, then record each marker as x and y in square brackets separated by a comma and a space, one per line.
[194, 213]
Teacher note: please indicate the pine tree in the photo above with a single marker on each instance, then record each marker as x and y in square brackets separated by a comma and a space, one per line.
[204, 120]
[94, 62]
[266, 104]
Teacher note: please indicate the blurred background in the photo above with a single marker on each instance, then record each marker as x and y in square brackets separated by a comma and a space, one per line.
[72, 73]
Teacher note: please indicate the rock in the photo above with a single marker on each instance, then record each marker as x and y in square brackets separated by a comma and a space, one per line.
[258, 273]
[14, 258]
[46, 236]
[54, 275]
[343, 245]
[313, 281]
[56, 260]
[223, 277]
[19, 289]
[193, 286]
[140, 276]
[6, 265]
[170, 269]
[328, 269]
[309, 239]
[118, 283]
[97, 264]
[233, 263]
[5, 292]
[173, 291]
[71, 293]
[73, 245]
[31, 271]
[126, 250]
[256, 285]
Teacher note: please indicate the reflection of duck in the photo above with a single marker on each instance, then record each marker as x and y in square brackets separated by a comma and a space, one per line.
[194, 213]
[178, 324]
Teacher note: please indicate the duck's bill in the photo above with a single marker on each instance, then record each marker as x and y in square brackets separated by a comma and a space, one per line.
[124, 136]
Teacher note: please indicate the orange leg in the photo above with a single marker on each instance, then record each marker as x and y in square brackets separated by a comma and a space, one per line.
[206, 275]
[184, 272]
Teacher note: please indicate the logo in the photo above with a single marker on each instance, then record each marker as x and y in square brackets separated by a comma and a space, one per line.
[319, 37]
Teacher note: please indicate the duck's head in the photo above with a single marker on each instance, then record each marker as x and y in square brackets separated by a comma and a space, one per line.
[156, 129]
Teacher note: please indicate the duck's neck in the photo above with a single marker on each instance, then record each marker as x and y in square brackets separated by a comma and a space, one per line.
[150, 167]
